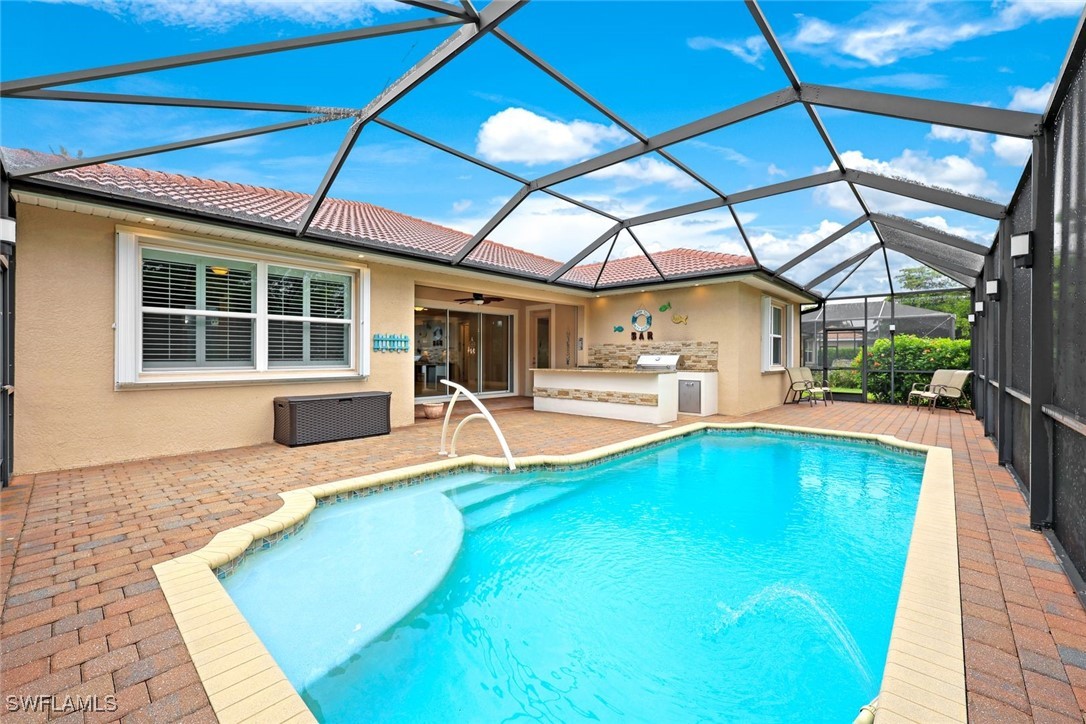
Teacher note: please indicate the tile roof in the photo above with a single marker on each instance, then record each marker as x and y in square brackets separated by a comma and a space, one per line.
[355, 221]
[673, 262]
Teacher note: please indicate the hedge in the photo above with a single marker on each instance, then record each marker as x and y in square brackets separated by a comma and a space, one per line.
[912, 353]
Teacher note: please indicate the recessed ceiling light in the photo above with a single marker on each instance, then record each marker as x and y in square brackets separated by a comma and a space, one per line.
[361, 256]
[148, 219]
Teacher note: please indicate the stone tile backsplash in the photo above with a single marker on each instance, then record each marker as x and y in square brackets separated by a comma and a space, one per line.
[696, 356]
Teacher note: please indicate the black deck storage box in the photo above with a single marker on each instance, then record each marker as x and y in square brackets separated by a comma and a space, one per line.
[308, 419]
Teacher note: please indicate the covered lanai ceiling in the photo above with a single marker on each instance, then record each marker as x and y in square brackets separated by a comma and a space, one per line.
[591, 146]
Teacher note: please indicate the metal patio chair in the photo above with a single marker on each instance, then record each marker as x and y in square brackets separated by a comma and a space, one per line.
[802, 382]
[954, 392]
[944, 385]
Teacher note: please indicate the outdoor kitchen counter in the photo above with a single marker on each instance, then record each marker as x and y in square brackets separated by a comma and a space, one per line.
[605, 371]
[616, 393]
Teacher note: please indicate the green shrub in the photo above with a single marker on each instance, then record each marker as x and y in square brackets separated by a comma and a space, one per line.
[845, 379]
[912, 353]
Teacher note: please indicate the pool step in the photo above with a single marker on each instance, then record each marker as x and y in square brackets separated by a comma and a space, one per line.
[516, 501]
[475, 494]
[351, 577]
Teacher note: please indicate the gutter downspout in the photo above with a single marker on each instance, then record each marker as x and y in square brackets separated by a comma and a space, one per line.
[7, 328]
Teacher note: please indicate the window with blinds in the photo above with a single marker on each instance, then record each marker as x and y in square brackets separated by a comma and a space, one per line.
[776, 334]
[309, 318]
[197, 312]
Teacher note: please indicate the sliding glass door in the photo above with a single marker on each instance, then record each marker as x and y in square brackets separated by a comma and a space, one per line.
[464, 349]
[497, 359]
[474, 349]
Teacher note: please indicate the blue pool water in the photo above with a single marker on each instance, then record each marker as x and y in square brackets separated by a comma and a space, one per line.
[727, 577]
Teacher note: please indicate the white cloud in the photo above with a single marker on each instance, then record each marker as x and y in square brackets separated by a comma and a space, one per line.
[711, 230]
[956, 173]
[519, 135]
[892, 31]
[642, 171]
[740, 159]
[1013, 151]
[813, 31]
[1018, 12]
[1031, 99]
[942, 224]
[726, 151]
[222, 14]
[775, 249]
[978, 142]
[886, 44]
[461, 206]
[541, 225]
[749, 50]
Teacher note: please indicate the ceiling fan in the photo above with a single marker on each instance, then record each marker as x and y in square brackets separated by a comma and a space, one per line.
[478, 298]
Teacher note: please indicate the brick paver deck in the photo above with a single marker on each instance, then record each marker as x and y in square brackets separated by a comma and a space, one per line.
[83, 613]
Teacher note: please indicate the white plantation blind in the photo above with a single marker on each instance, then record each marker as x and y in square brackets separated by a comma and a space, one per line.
[309, 318]
[776, 335]
[196, 311]
[168, 338]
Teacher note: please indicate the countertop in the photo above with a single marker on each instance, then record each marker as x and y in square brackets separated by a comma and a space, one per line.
[603, 371]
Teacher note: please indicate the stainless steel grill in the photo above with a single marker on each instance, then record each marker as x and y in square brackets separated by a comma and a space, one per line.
[658, 362]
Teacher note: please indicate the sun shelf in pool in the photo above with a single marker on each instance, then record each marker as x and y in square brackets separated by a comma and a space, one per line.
[750, 576]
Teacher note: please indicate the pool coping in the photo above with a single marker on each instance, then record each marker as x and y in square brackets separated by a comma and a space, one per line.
[924, 678]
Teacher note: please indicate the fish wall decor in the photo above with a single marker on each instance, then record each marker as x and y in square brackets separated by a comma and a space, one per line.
[679, 318]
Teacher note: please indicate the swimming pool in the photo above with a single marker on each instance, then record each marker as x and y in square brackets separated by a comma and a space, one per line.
[739, 575]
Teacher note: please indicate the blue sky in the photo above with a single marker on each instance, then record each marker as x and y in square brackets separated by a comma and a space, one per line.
[655, 65]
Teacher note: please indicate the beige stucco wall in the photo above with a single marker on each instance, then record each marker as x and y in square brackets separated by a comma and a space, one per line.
[727, 313]
[564, 354]
[68, 413]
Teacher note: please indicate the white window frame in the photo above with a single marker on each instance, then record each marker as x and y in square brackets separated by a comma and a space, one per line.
[128, 314]
[786, 335]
